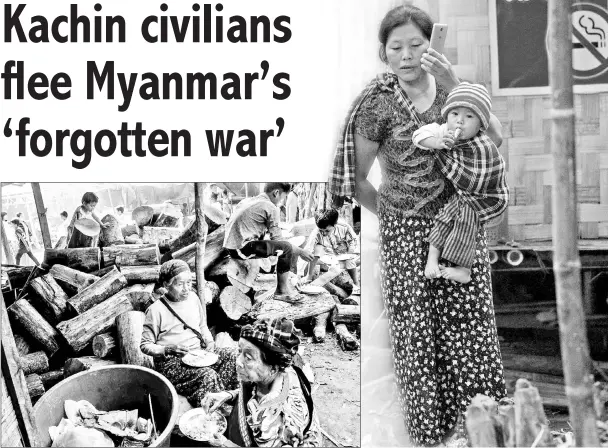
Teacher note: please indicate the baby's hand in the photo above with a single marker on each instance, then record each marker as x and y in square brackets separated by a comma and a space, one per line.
[447, 142]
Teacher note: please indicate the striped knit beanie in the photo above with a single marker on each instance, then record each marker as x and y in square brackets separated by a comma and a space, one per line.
[473, 96]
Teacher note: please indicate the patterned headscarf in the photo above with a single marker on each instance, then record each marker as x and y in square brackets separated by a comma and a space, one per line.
[172, 268]
[278, 336]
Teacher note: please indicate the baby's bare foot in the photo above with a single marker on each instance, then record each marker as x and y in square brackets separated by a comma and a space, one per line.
[458, 274]
[432, 270]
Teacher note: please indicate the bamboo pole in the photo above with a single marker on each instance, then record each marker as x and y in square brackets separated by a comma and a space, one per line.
[6, 245]
[201, 241]
[44, 224]
[566, 262]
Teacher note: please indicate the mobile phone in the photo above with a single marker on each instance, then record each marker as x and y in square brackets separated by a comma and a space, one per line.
[440, 31]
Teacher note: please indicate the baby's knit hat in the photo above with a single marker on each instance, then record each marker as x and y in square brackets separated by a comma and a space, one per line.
[473, 96]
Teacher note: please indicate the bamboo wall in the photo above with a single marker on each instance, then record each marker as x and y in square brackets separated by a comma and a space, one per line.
[526, 128]
[11, 436]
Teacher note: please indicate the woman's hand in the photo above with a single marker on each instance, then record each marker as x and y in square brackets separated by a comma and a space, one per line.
[175, 350]
[220, 440]
[437, 65]
[210, 346]
[214, 400]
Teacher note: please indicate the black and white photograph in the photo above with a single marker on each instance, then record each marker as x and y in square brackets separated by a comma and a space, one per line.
[474, 136]
[191, 314]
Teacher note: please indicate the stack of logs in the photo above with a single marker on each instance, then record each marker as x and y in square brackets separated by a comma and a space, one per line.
[91, 301]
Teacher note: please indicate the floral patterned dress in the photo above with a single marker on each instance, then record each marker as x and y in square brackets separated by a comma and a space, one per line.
[443, 334]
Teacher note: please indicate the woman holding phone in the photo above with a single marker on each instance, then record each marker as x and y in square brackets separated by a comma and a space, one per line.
[443, 334]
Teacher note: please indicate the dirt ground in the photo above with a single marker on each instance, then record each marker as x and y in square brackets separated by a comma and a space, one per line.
[337, 389]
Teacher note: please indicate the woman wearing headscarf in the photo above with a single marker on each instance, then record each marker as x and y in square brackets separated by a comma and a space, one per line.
[174, 326]
[273, 406]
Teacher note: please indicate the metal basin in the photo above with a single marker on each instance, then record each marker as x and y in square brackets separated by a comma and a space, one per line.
[112, 388]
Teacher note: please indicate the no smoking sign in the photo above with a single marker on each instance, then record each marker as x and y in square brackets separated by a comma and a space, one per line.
[589, 40]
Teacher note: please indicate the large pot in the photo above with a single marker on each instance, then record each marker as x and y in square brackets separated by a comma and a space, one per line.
[112, 388]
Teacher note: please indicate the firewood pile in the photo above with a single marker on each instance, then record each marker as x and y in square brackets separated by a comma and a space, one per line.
[85, 307]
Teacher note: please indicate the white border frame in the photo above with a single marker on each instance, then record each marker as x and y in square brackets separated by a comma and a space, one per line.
[546, 90]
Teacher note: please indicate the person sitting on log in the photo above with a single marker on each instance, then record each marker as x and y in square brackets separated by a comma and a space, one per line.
[85, 210]
[335, 238]
[174, 326]
[251, 220]
[24, 245]
[273, 406]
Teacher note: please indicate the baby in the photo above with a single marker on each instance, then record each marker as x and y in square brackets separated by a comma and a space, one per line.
[471, 161]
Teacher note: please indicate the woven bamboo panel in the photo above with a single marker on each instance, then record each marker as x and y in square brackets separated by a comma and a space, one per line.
[526, 129]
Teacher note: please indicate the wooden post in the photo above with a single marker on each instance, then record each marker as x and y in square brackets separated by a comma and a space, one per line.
[6, 245]
[44, 224]
[201, 238]
[566, 262]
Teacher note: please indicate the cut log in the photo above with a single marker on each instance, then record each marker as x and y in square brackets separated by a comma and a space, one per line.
[168, 218]
[344, 281]
[23, 344]
[140, 296]
[49, 379]
[131, 255]
[50, 300]
[80, 330]
[129, 230]
[142, 215]
[320, 327]
[17, 276]
[103, 345]
[129, 327]
[112, 234]
[72, 279]
[240, 273]
[346, 340]
[85, 259]
[160, 235]
[530, 417]
[35, 325]
[76, 365]
[103, 271]
[212, 292]
[335, 290]
[36, 362]
[188, 236]
[105, 287]
[34, 386]
[234, 302]
[312, 305]
[347, 314]
[214, 248]
[327, 276]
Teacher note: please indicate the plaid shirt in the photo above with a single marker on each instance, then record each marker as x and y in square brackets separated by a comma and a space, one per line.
[342, 181]
[477, 170]
[343, 240]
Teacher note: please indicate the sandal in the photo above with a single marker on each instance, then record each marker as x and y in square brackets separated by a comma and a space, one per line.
[293, 299]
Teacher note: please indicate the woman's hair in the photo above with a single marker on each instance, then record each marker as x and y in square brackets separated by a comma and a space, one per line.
[89, 198]
[271, 186]
[64, 214]
[399, 16]
[279, 360]
[325, 218]
[120, 209]
[16, 222]
[213, 196]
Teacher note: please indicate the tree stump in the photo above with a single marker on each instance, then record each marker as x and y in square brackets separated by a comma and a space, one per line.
[70, 279]
[103, 345]
[140, 296]
[112, 234]
[80, 330]
[36, 362]
[234, 302]
[212, 292]
[35, 325]
[49, 379]
[50, 300]
[85, 259]
[23, 345]
[479, 422]
[34, 386]
[346, 340]
[240, 273]
[99, 291]
[530, 416]
[129, 326]
[141, 274]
